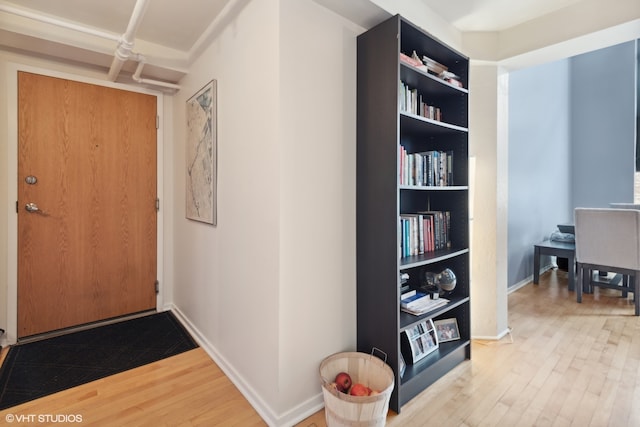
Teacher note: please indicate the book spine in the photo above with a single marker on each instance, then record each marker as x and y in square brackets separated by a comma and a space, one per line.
[421, 234]
[450, 168]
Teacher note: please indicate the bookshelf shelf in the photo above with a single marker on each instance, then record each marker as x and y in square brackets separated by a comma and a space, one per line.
[416, 123]
[433, 84]
[407, 320]
[434, 188]
[421, 369]
[411, 262]
[396, 198]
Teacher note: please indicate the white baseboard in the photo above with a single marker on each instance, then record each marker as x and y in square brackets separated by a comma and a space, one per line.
[245, 389]
[302, 411]
[519, 285]
[4, 341]
[513, 288]
[289, 418]
[529, 279]
[493, 338]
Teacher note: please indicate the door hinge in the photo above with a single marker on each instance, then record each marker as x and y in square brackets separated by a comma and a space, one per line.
[17, 206]
[156, 284]
[157, 204]
[157, 122]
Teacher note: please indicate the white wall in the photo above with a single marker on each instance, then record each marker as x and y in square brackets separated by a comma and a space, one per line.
[7, 210]
[489, 147]
[227, 276]
[424, 17]
[270, 290]
[317, 181]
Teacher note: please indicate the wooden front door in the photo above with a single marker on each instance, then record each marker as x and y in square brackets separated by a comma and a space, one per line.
[86, 203]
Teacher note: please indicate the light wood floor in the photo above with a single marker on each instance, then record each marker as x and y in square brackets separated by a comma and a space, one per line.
[183, 390]
[569, 365]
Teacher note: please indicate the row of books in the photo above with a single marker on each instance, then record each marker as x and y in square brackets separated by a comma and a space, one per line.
[424, 232]
[412, 102]
[427, 168]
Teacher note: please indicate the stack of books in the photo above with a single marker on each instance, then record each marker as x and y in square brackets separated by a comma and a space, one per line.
[431, 66]
[410, 60]
[451, 78]
[434, 66]
[419, 303]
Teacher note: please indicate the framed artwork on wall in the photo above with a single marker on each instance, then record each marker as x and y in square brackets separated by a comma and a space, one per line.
[202, 155]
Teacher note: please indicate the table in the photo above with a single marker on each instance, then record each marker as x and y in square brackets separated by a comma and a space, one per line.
[624, 205]
[559, 249]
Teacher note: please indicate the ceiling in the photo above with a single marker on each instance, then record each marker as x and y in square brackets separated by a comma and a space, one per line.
[493, 15]
[180, 26]
[171, 23]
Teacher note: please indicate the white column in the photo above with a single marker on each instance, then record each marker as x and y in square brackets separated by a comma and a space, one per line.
[488, 144]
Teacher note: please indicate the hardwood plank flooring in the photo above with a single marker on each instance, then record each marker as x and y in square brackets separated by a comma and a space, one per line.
[564, 364]
[569, 364]
[184, 390]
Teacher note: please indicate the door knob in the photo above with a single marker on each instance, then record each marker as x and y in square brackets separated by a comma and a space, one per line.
[32, 207]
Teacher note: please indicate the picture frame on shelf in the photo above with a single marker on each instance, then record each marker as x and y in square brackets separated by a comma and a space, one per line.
[447, 329]
[412, 333]
[422, 340]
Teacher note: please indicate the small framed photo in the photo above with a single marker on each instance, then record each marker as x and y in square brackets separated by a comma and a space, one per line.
[447, 329]
[421, 340]
[413, 332]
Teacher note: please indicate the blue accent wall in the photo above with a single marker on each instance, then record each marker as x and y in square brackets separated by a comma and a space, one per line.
[571, 143]
[539, 160]
[603, 126]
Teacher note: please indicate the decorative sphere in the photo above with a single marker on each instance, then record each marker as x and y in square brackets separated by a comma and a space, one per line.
[446, 280]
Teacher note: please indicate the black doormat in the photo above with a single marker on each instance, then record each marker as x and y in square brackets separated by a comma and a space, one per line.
[40, 368]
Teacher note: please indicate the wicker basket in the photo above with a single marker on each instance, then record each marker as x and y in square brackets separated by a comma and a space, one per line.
[342, 409]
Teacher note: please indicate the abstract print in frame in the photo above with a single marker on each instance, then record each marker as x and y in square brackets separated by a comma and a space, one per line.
[202, 155]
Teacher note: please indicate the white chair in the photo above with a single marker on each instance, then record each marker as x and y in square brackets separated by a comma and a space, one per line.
[608, 240]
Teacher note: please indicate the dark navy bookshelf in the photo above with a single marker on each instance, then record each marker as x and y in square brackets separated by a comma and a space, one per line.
[382, 127]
